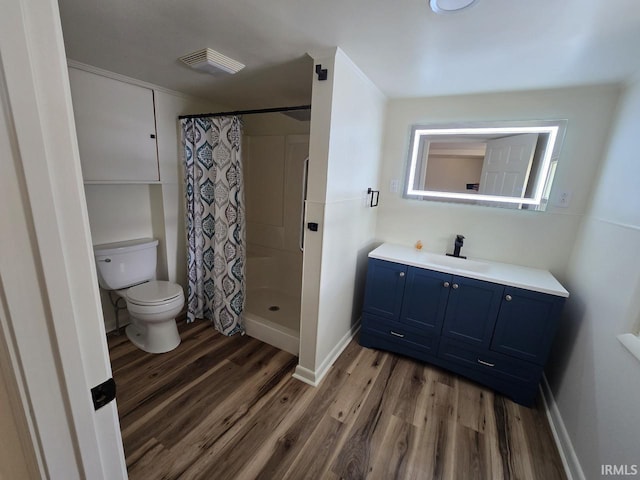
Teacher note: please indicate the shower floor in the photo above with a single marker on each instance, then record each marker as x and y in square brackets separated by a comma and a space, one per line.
[273, 317]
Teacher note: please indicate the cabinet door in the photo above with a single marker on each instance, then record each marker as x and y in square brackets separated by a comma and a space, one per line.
[425, 299]
[526, 324]
[384, 289]
[472, 310]
[116, 130]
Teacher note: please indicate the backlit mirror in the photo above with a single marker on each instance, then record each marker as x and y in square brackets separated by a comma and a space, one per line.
[507, 164]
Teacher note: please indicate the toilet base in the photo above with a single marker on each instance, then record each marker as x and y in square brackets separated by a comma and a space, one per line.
[157, 337]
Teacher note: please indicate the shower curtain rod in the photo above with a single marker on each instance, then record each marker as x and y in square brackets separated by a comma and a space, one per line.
[247, 112]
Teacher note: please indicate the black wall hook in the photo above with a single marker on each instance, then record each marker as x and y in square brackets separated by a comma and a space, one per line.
[321, 72]
[375, 197]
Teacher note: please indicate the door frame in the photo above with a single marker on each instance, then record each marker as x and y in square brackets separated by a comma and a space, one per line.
[51, 316]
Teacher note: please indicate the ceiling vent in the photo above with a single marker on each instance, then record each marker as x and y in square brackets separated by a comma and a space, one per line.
[210, 61]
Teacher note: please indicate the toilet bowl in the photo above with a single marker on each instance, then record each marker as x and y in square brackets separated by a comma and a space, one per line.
[128, 269]
[153, 307]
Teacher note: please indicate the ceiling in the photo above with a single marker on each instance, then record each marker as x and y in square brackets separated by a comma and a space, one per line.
[401, 45]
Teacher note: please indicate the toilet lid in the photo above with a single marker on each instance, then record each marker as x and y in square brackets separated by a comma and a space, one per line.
[151, 293]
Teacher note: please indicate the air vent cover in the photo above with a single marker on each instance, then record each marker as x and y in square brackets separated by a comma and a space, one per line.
[210, 61]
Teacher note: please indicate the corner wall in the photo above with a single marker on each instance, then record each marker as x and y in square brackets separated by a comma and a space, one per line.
[346, 128]
[594, 379]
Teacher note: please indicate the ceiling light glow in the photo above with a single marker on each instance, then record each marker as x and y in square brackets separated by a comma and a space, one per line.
[450, 6]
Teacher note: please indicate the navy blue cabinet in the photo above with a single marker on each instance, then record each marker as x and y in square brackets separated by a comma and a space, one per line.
[385, 288]
[425, 299]
[472, 310]
[497, 335]
[526, 322]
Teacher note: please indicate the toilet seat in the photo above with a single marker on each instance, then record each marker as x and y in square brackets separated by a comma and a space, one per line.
[154, 293]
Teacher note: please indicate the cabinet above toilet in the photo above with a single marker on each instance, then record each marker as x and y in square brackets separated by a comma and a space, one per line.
[116, 129]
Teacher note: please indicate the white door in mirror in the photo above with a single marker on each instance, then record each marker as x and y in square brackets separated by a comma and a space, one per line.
[507, 164]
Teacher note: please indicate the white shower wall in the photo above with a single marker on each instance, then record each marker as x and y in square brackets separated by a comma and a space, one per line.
[274, 150]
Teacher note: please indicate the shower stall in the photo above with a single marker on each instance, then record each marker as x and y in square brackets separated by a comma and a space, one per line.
[275, 156]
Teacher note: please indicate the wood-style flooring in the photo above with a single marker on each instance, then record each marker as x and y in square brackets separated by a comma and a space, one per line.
[228, 408]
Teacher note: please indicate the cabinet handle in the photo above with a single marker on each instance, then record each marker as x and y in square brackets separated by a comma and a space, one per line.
[455, 286]
[401, 335]
[445, 284]
[508, 298]
[486, 364]
[402, 274]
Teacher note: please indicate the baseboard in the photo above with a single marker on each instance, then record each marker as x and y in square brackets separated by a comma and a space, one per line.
[570, 461]
[314, 378]
[305, 375]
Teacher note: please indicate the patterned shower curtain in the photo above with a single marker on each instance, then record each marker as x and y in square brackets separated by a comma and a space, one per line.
[215, 221]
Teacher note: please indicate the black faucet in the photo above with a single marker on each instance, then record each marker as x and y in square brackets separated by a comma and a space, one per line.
[457, 245]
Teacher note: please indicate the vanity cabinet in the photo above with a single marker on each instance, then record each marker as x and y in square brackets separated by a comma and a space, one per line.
[472, 310]
[116, 128]
[495, 334]
[527, 320]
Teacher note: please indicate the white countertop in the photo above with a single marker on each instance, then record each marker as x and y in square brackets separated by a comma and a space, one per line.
[503, 273]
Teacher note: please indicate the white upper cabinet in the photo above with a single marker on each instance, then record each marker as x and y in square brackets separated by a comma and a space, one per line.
[116, 129]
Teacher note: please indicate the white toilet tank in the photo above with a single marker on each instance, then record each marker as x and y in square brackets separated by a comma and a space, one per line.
[123, 264]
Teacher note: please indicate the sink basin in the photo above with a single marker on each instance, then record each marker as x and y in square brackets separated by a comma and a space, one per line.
[457, 263]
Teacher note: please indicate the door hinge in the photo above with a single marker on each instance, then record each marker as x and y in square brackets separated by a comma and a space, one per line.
[103, 393]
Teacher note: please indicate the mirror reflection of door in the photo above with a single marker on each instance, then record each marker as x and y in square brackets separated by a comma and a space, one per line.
[507, 165]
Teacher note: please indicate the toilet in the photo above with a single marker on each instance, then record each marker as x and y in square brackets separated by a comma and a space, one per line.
[128, 269]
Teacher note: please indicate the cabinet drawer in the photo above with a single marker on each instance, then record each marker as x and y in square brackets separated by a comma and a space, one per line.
[487, 362]
[397, 337]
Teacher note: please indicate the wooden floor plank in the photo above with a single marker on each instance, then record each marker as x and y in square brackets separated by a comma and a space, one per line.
[228, 408]
[392, 461]
[202, 445]
[316, 456]
[472, 455]
[538, 434]
[253, 447]
[362, 375]
[290, 443]
[436, 399]
[415, 383]
[471, 409]
[354, 459]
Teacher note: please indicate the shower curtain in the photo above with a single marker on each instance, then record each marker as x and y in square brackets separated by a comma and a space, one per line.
[215, 218]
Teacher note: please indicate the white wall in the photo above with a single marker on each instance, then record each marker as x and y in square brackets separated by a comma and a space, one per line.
[539, 239]
[594, 379]
[445, 172]
[346, 128]
[119, 212]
